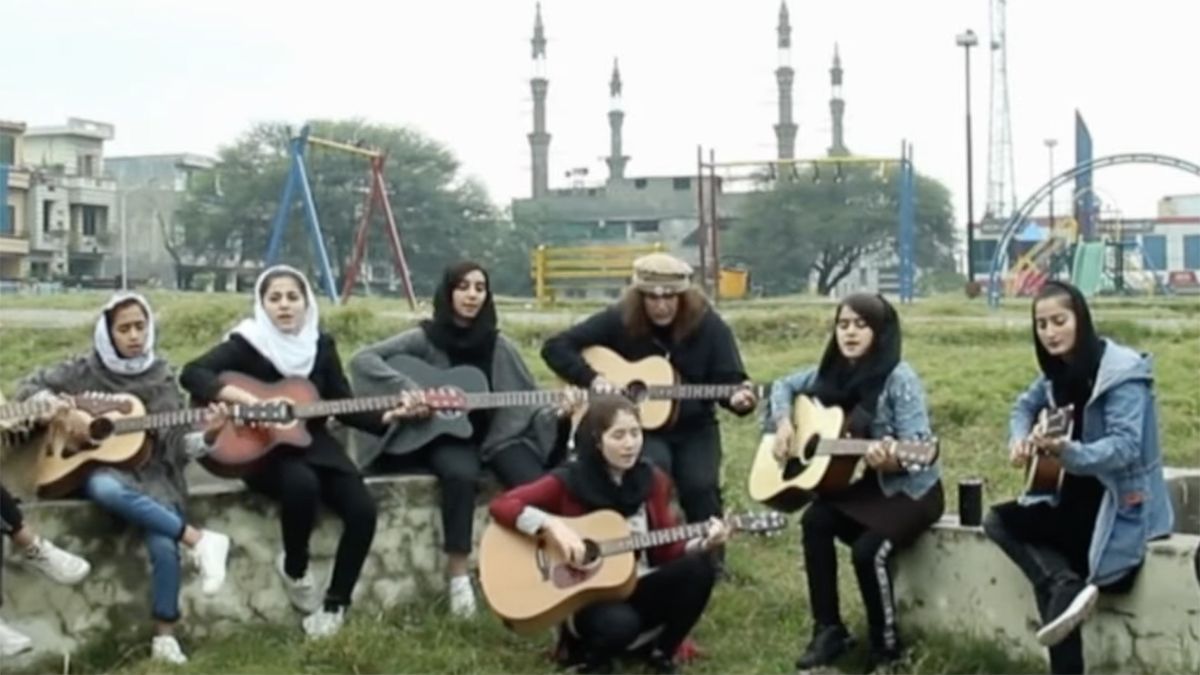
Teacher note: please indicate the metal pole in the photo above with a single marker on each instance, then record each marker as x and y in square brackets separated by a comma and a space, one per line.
[970, 175]
[714, 223]
[701, 232]
[124, 241]
[1050, 143]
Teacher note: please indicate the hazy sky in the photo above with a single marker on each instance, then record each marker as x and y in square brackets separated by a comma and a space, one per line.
[189, 76]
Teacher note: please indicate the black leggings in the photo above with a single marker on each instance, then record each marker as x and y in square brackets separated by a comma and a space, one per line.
[672, 596]
[691, 455]
[1053, 558]
[458, 468]
[300, 487]
[871, 553]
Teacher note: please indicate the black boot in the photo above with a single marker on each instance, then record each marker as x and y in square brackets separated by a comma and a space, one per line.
[828, 643]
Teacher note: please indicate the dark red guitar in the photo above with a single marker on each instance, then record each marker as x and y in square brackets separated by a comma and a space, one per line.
[287, 404]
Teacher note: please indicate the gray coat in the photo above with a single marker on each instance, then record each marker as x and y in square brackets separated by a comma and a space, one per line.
[162, 476]
[509, 373]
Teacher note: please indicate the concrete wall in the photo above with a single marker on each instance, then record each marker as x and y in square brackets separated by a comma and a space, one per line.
[955, 580]
[405, 564]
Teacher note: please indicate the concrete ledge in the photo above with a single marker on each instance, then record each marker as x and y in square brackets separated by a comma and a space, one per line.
[405, 564]
[955, 580]
[1184, 487]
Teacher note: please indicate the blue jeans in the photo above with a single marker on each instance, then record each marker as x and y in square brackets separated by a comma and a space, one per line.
[162, 528]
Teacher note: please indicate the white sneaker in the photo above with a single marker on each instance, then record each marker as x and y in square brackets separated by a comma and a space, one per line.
[462, 597]
[323, 624]
[12, 641]
[59, 565]
[303, 593]
[165, 648]
[1075, 614]
[210, 555]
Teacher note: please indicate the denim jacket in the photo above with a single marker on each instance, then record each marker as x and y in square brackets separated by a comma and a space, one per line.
[1119, 447]
[900, 414]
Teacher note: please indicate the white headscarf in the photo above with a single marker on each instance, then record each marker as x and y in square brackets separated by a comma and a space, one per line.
[293, 355]
[103, 342]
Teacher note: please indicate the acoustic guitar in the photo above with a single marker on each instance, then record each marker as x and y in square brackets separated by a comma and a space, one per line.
[819, 461]
[653, 384]
[1044, 472]
[531, 588]
[117, 436]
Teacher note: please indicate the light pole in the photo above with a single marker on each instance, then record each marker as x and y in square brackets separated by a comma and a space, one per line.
[966, 41]
[1050, 143]
[124, 242]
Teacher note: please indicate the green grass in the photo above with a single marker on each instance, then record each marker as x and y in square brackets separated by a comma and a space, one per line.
[972, 371]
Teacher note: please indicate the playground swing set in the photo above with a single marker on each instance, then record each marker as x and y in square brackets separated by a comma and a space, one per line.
[376, 198]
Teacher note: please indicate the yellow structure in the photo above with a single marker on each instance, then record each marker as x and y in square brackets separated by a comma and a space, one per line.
[554, 268]
[735, 283]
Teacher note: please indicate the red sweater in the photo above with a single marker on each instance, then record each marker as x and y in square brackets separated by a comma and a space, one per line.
[550, 494]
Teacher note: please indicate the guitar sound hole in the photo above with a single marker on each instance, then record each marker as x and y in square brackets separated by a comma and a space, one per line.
[810, 449]
[636, 391]
[100, 428]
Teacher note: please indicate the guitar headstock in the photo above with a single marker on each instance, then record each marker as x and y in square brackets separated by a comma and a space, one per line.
[1055, 422]
[758, 522]
[917, 455]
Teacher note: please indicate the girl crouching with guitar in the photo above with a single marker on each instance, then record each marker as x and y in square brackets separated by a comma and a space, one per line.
[1113, 489]
[609, 472]
[283, 341]
[152, 496]
[887, 507]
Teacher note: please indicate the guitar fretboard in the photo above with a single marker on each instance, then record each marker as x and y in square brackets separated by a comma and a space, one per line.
[652, 539]
[163, 420]
[857, 447]
[346, 406]
[694, 392]
[23, 410]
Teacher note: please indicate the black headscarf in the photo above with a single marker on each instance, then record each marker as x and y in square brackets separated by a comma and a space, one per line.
[588, 478]
[474, 343]
[856, 387]
[1071, 381]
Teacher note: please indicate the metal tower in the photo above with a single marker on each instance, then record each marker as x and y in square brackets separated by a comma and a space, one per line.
[1001, 192]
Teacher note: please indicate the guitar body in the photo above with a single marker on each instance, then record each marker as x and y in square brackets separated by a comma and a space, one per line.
[1043, 476]
[240, 449]
[1044, 473]
[789, 485]
[412, 435]
[532, 589]
[62, 465]
[635, 375]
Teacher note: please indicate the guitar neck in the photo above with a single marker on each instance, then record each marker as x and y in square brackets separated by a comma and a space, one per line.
[857, 447]
[163, 420]
[652, 539]
[694, 392]
[512, 399]
[346, 406]
[23, 410]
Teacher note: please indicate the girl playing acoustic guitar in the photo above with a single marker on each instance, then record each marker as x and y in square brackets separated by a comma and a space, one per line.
[152, 496]
[517, 443]
[609, 472]
[283, 340]
[888, 507]
[1113, 489]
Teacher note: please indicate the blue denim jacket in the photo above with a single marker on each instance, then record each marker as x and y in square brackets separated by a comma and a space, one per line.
[1119, 447]
[900, 413]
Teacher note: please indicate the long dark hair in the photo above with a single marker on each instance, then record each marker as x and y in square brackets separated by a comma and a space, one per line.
[1071, 380]
[692, 308]
[856, 387]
